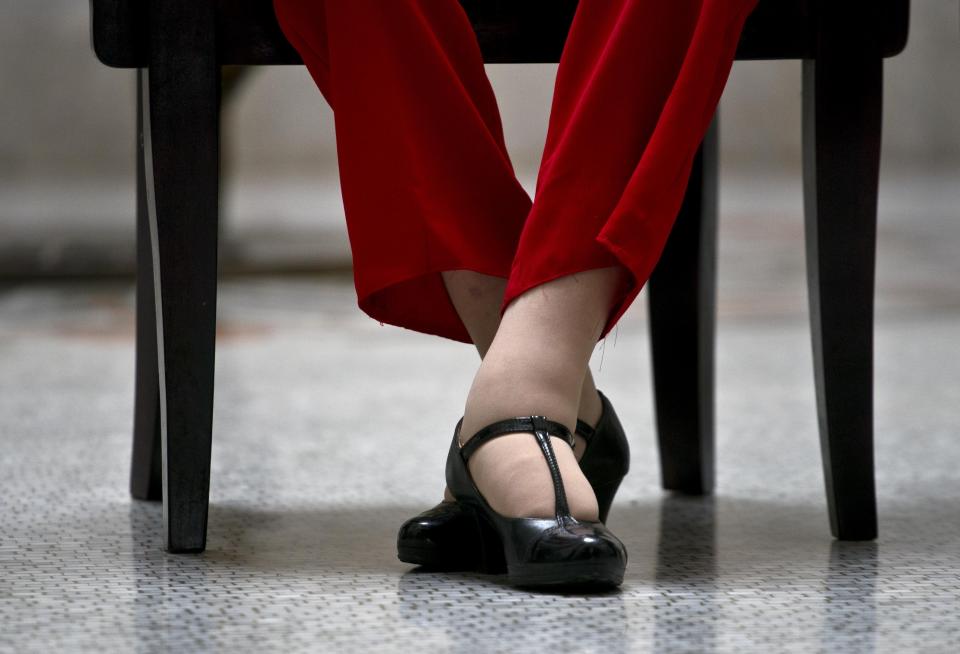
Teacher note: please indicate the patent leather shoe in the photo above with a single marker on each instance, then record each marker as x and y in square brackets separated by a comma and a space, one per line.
[560, 551]
[442, 538]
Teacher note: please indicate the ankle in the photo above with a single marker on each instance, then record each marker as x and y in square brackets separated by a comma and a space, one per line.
[591, 407]
[510, 470]
[476, 297]
[508, 387]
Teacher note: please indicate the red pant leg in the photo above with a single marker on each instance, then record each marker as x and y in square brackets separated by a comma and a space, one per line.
[426, 180]
[638, 84]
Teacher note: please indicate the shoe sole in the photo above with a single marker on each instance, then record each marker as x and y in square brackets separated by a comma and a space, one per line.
[435, 559]
[595, 575]
[488, 558]
[583, 577]
[480, 558]
[589, 575]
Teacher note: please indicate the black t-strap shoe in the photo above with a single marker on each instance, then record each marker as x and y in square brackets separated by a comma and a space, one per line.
[560, 551]
[445, 538]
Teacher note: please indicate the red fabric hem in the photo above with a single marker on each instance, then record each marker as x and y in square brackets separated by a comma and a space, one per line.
[627, 292]
[420, 301]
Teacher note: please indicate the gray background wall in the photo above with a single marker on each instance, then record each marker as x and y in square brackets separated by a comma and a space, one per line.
[66, 126]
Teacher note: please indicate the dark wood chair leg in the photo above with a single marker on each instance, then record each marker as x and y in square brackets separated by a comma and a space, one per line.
[181, 104]
[843, 91]
[682, 293]
[145, 473]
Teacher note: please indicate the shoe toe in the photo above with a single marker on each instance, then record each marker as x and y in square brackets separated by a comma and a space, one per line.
[579, 542]
[572, 555]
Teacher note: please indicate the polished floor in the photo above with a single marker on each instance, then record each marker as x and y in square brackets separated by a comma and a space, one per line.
[331, 429]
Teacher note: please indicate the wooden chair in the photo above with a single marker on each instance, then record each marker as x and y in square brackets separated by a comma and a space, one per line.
[178, 46]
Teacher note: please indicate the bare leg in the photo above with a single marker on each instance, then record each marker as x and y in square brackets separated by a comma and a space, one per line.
[477, 298]
[536, 365]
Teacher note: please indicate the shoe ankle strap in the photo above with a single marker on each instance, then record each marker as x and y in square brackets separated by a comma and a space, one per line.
[542, 429]
[531, 424]
[584, 430]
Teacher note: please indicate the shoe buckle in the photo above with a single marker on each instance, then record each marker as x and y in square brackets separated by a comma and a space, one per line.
[539, 424]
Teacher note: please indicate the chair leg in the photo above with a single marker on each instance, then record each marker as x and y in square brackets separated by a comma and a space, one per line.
[843, 91]
[682, 293]
[145, 474]
[181, 106]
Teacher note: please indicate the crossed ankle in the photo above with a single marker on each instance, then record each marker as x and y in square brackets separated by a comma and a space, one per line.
[491, 401]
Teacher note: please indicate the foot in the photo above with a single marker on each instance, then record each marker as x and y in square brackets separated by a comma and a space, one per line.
[591, 408]
[536, 365]
[477, 299]
[511, 471]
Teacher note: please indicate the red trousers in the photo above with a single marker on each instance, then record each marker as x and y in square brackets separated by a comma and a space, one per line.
[426, 180]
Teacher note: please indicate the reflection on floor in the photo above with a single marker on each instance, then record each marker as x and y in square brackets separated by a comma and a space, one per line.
[330, 430]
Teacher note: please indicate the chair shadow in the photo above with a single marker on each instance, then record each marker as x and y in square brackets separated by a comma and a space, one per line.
[707, 546]
[308, 539]
[686, 553]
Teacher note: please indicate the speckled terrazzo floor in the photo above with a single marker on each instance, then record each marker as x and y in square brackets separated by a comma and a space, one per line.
[330, 430]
